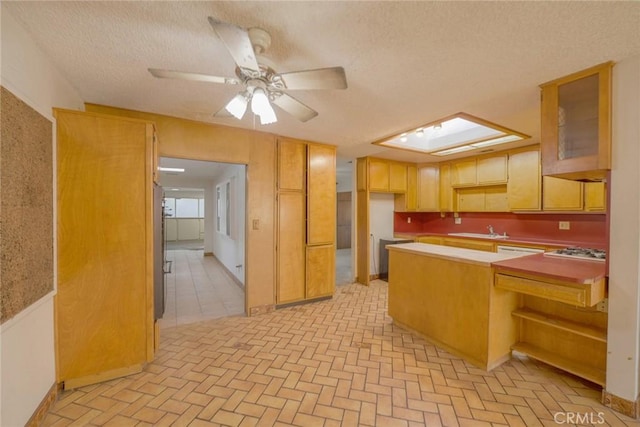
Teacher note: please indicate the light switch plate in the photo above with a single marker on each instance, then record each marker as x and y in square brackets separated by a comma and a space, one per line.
[457, 220]
[564, 225]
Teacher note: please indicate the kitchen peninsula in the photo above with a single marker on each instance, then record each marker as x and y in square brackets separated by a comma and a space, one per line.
[447, 295]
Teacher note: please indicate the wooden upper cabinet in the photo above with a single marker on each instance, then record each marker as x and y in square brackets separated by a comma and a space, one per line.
[397, 177]
[464, 172]
[595, 196]
[292, 156]
[428, 188]
[321, 194]
[378, 175]
[523, 187]
[446, 191]
[576, 124]
[362, 174]
[412, 188]
[492, 170]
[561, 194]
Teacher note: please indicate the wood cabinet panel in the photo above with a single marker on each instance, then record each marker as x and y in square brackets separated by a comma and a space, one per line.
[397, 177]
[378, 175]
[446, 192]
[561, 194]
[105, 248]
[492, 170]
[470, 200]
[321, 194]
[595, 196]
[290, 252]
[523, 186]
[321, 262]
[292, 157]
[428, 188]
[411, 197]
[469, 244]
[433, 240]
[495, 199]
[464, 173]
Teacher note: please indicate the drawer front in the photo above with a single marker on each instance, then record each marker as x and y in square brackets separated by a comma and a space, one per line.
[566, 294]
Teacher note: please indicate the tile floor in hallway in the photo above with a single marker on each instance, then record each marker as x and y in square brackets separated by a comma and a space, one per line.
[198, 288]
[330, 363]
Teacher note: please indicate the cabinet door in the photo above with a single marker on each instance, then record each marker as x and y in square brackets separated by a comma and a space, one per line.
[478, 245]
[378, 175]
[428, 188]
[470, 200]
[105, 262]
[464, 173]
[446, 192]
[321, 194]
[290, 267]
[595, 196]
[492, 170]
[495, 199]
[523, 187]
[292, 157]
[434, 240]
[321, 261]
[561, 194]
[412, 188]
[397, 177]
[576, 124]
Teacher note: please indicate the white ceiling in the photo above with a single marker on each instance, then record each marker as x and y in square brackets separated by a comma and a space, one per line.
[407, 63]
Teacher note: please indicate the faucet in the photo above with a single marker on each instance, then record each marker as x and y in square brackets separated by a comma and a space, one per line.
[491, 232]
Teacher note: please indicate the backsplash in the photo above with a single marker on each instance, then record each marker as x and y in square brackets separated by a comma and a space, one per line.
[585, 229]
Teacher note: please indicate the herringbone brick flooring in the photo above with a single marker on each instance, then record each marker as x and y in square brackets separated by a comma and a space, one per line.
[332, 363]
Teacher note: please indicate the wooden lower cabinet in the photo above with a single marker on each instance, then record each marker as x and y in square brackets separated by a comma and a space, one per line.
[321, 271]
[479, 245]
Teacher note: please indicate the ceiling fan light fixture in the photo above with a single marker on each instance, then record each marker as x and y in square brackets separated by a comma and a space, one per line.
[261, 106]
[237, 106]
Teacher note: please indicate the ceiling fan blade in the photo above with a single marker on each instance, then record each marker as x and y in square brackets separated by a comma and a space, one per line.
[322, 78]
[168, 74]
[294, 107]
[237, 42]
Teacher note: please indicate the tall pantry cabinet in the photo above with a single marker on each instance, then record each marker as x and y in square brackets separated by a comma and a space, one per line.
[104, 303]
[306, 230]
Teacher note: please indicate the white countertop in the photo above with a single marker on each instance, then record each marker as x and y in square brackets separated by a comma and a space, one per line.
[455, 254]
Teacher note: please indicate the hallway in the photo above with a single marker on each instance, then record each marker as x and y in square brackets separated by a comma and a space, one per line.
[330, 363]
[198, 288]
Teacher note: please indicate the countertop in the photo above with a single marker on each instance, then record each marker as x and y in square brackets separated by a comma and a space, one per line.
[470, 256]
[563, 269]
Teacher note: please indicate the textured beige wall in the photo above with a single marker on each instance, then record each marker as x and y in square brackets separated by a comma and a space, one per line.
[26, 206]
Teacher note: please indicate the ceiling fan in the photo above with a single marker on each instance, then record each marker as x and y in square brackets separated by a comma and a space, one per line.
[262, 86]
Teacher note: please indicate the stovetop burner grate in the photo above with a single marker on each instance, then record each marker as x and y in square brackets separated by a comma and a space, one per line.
[580, 253]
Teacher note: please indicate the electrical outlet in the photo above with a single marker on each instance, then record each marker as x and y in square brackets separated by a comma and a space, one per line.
[564, 225]
[408, 220]
[457, 220]
[603, 305]
[256, 224]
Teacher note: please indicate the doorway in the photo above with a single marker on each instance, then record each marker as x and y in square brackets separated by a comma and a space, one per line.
[204, 234]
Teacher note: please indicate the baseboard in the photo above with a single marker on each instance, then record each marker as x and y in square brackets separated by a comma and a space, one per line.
[624, 406]
[44, 406]
[230, 274]
[70, 384]
[208, 254]
[262, 309]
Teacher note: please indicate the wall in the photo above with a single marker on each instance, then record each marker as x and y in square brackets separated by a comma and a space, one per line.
[229, 250]
[587, 230]
[623, 344]
[27, 364]
[186, 139]
[380, 224]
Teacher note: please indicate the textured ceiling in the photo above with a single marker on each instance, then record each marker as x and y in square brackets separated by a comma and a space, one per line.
[407, 63]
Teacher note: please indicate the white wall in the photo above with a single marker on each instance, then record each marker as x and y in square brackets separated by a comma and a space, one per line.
[229, 250]
[380, 224]
[27, 364]
[623, 343]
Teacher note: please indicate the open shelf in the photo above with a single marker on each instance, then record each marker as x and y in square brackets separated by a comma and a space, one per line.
[562, 324]
[587, 372]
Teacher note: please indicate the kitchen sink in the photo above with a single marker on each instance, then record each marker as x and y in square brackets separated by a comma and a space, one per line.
[481, 235]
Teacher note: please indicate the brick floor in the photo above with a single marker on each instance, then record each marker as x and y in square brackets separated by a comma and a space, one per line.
[331, 363]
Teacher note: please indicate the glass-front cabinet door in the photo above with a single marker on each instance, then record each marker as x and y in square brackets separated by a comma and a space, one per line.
[576, 124]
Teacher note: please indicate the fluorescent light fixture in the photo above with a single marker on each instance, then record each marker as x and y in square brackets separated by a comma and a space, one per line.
[260, 106]
[163, 169]
[454, 134]
[238, 105]
[175, 189]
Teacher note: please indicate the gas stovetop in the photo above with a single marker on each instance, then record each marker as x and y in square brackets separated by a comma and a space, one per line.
[580, 253]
